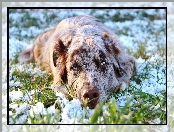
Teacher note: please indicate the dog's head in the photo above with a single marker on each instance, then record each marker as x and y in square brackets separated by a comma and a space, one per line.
[91, 61]
[92, 66]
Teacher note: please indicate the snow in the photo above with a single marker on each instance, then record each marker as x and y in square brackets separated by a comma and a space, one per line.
[37, 110]
[15, 95]
[150, 84]
[72, 109]
[30, 70]
[20, 110]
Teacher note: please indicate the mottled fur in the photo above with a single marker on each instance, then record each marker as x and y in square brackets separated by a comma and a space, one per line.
[84, 52]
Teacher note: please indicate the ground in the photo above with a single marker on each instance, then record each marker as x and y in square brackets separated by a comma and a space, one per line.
[143, 34]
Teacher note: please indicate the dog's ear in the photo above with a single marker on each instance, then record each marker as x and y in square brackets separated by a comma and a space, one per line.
[59, 60]
[111, 44]
[126, 65]
[59, 52]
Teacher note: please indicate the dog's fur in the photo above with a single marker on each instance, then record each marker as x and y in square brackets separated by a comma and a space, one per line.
[84, 53]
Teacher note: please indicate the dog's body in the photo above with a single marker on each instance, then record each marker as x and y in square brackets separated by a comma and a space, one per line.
[83, 53]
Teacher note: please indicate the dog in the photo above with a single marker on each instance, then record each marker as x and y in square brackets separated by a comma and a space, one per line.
[86, 55]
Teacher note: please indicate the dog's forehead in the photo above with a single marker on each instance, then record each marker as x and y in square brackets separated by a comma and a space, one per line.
[86, 46]
[86, 42]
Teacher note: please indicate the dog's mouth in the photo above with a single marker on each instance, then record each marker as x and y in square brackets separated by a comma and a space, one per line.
[92, 103]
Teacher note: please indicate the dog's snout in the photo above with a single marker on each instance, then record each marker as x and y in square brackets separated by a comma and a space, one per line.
[92, 96]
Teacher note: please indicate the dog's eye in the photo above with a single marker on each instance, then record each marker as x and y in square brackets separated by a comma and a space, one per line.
[75, 67]
[103, 63]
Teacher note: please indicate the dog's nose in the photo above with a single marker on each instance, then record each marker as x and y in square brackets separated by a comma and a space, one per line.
[92, 96]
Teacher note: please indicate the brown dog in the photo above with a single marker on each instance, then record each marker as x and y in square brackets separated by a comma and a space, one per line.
[83, 53]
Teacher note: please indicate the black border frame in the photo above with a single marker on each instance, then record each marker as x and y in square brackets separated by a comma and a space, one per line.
[76, 8]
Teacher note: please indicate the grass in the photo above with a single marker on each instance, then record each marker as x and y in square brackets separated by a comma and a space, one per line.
[140, 107]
